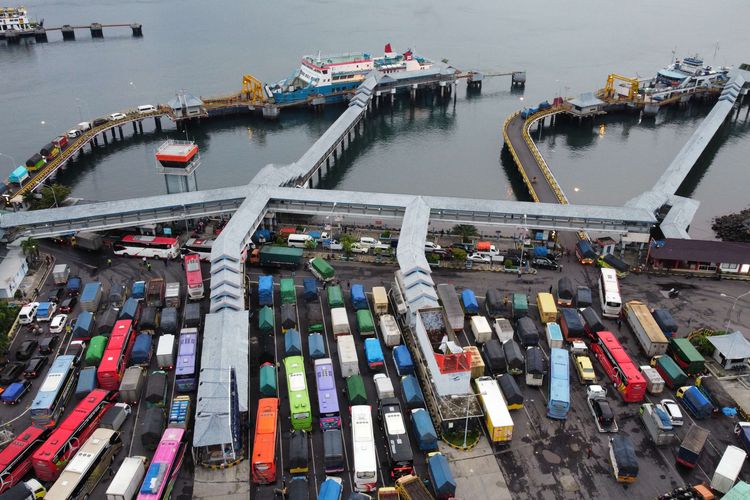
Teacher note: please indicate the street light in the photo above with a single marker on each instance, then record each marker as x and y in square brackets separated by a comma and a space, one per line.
[51, 188]
[728, 322]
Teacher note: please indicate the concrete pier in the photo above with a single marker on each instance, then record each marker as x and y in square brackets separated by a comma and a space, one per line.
[96, 30]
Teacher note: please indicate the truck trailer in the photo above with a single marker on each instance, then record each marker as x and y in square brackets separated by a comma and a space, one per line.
[646, 330]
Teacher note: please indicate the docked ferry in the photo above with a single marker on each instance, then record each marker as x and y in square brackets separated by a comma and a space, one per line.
[332, 76]
[15, 19]
[683, 75]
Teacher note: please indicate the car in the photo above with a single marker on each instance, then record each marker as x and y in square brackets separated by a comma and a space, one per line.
[56, 296]
[117, 116]
[545, 263]
[144, 109]
[98, 122]
[11, 372]
[475, 257]
[430, 246]
[26, 350]
[47, 344]
[13, 394]
[77, 348]
[34, 366]
[67, 305]
[605, 417]
[673, 410]
[441, 251]
[466, 247]
[58, 323]
[585, 369]
[357, 248]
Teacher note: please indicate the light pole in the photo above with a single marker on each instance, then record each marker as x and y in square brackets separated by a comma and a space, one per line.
[11, 159]
[52, 189]
[728, 322]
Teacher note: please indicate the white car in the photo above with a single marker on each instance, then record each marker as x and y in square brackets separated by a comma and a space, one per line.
[117, 116]
[430, 246]
[369, 242]
[145, 109]
[357, 248]
[58, 323]
[673, 410]
[596, 392]
[475, 257]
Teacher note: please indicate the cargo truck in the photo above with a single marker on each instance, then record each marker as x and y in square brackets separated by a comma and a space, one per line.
[695, 401]
[380, 300]
[91, 296]
[716, 394]
[390, 330]
[623, 459]
[666, 322]
[172, 294]
[383, 386]
[469, 300]
[89, 241]
[686, 356]
[477, 363]
[276, 256]
[654, 381]
[132, 384]
[494, 303]
[657, 423]
[365, 323]
[480, 327]
[127, 481]
[155, 292]
[646, 330]
[571, 324]
[691, 447]
[519, 305]
[165, 352]
[728, 469]
[321, 269]
[424, 431]
[441, 477]
[358, 298]
[347, 355]
[453, 310]
[265, 290]
[671, 373]
[60, 274]
[412, 488]
[403, 361]
[340, 322]
[374, 354]
[503, 330]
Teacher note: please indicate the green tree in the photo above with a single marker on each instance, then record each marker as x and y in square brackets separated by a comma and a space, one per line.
[465, 231]
[310, 244]
[30, 248]
[8, 315]
[48, 197]
[458, 253]
[347, 242]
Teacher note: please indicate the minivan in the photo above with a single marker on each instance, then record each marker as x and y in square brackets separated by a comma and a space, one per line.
[299, 240]
[146, 108]
[430, 246]
[28, 313]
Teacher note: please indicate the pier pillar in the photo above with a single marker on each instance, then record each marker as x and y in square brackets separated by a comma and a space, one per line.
[113, 134]
[135, 130]
[68, 33]
[328, 162]
[12, 38]
[40, 35]
[96, 30]
[157, 122]
[94, 142]
[140, 126]
[120, 129]
[104, 136]
[137, 30]
[393, 96]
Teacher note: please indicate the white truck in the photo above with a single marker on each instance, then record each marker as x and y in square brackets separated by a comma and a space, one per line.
[383, 386]
[654, 381]
[728, 469]
[347, 356]
[60, 274]
[172, 294]
[503, 330]
[647, 331]
[657, 423]
[128, 479]
[165, 352]
[390, 330]
[340, 322]
[480, 327]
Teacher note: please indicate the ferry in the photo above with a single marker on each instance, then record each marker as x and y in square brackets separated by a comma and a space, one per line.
[330, 77]
[15, 19]
[682, 76]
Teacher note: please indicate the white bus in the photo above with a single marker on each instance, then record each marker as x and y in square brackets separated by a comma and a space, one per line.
[299, 240]
[201, 247]
[86, 468]
[496, 415]
[363, 444]
[609, 293]
[136, 245]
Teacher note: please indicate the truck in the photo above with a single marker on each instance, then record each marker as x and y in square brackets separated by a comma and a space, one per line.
[115, 416]
[383, 386]
[604, 417]
[410, 487]
[141, 353]
[657, 423]
[335, 296]
[347, 355]
[128, 478]
[571, 324]
[402, 360]
[91, 296]
[287, 291]
[155, 292]
[623, 459]
[390, 330]
[424, 430]
[728, 469]
[89, 241]
[477, 363]
[592, 323]
[716, 394]
[480, 327]
[654, 381]
[60, 274]
[365, 323]
[692, 445]
[380, 300]
[165, 352]
[138, 290]
[340, 322]
[73, 287]
[646, 330]
[179, 413]
[671, 373]
[172, 294]
[469, 301]
[441, 477]
[374, 354]
[686, 356]
[358, 298]
[26, 490]
[503, 330]
[519, 305]
[411, 391]
[45, 311]
[321, 269]
[665, 321]
[695, 401]
[276, 256]
[132, 384]
[494, 303]
[453, 311]
[265, 290]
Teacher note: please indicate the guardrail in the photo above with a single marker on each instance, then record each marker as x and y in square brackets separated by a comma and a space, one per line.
[513, 153]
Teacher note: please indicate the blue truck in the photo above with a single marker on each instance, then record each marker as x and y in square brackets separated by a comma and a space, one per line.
[15, 391]
[310, 287]
[73, 287]
[413, 396]
[374, 354]
[142, 349]
[265, 290]
[359, 301]
[469, 301]
[138, 290]
[402, 360]
[695, 401]
[441, 477]
[424, 431]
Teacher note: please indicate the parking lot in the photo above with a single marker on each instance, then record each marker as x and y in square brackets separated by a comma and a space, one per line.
[546, 458]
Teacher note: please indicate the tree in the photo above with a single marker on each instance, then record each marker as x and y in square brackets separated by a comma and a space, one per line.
[310, 244]
[458, 253]
[8, 315]
[465, 231]
[48, 197]
[30, 248]
[347, 242]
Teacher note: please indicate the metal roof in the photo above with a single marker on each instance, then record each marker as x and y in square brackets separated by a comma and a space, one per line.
[724, 252]
[732, 345]
[585, 100]
[184, 100]
[212, 418]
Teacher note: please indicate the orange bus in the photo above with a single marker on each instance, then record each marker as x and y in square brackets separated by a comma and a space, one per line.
[264, 448]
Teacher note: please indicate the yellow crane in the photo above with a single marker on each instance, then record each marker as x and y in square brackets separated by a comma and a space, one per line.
[252, 89]
[609, 89]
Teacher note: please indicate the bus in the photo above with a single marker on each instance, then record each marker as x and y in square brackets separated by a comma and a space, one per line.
[299, 399]
[328, 403]
[186, 373]
[363, 445]
[164, 466]
[619, 367]
[398, 445]
[54, 393]
[497, 418]
[116, 355]
[52, 456]
[609, 293]
[85, 469]
[15, 459]
[138, 245]
[559, 384]
[194, 277]
[200, 247]
[266, 437]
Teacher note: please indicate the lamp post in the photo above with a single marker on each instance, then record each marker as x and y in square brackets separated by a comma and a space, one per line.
[728, 322]
[52, 189]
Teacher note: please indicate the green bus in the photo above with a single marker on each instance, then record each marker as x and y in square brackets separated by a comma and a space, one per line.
[299, 399]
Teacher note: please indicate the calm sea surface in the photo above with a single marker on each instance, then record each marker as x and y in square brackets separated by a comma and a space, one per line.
[206, 47]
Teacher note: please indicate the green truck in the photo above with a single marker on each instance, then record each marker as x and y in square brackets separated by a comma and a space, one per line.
[335, 296]
[365, 323]
[288, 292]
[277, 256]
[321, 269]
[686, 356]
[672, 374]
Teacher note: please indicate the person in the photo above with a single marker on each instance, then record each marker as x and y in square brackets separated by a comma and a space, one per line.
[550, 289]
[619, 322]
[533, 180]
[589, 451]
[144, 262]
[148, 266]
[109, 262]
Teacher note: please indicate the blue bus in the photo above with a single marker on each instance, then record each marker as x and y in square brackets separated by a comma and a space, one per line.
[54, 393]
[559, 385]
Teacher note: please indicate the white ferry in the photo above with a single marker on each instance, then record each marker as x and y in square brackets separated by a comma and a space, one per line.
[15, 19]
[682, 76]
[331, 76]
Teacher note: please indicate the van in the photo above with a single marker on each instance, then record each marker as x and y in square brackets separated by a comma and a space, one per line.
[299, 240]
[28, 313]
[144, 109]
[430, 246]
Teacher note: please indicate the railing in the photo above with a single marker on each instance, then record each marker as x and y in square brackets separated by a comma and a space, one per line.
[513, 153]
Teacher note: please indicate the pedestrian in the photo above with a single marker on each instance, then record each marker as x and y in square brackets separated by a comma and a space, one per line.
[144, 261]
[559, 269]
[589, 451]
[550, 289]
[148, 266]
[109, 262]
[347, 285]
[619, 323]
[47, 259]
[166, 262]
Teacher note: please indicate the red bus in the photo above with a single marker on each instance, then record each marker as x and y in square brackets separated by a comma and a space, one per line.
[264, 448]
[116, 355]
[619, 367]
[194, 276]
[50, 458]
[15, 459]
[137, 245]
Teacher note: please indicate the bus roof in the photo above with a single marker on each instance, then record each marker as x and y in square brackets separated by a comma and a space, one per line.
[493, 401]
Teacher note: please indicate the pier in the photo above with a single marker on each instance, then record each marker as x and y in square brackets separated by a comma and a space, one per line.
[39, 34]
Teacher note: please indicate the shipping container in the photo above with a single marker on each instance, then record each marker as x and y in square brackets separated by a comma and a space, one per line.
[125, 484]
